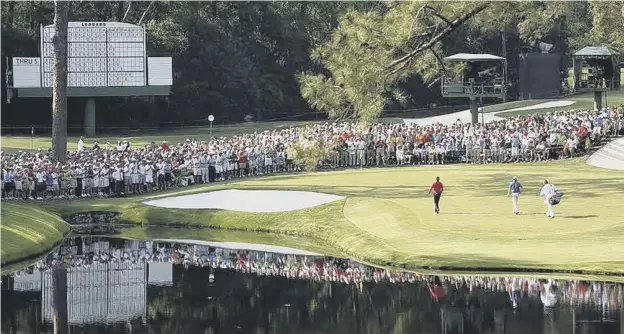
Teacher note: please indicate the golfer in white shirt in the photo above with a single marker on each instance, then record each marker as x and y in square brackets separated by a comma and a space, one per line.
[514, 189]
[548, 190]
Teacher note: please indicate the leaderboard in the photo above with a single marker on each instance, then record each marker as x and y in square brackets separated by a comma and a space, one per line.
[100, 54]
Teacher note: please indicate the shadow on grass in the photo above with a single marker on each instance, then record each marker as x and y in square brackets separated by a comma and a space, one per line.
[472, 263]
[581, 217]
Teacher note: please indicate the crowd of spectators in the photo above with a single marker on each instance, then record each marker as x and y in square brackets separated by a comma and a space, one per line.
[322, 268]
[122, 169]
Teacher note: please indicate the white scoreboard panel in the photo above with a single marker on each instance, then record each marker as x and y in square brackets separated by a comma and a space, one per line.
[159, 71]
[100, 54]
[26, 72]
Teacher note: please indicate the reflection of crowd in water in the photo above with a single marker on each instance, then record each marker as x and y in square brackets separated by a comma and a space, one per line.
[81, 253]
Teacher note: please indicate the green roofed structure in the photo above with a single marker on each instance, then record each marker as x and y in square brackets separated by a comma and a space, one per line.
[475, 76]
[597, 69]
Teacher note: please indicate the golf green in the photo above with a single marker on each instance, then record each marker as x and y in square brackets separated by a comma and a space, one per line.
[388, 219]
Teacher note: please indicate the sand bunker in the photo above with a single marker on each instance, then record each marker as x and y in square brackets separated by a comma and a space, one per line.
[243, 246]
[465, 116]
[247, 200]
[611, 156]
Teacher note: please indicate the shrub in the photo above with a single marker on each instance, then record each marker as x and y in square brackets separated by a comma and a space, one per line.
[310, 153]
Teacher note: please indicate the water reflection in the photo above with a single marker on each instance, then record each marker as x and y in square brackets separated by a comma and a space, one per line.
[128, 286]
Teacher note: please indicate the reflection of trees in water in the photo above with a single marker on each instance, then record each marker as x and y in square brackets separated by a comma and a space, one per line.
[252, 303]
[288, 305]
[21, 314]
[277, 305]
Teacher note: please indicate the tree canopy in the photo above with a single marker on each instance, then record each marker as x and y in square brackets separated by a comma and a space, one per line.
[287, 60]
[371, 53]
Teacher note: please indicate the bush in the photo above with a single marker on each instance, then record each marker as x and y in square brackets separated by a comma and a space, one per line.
[309, 153]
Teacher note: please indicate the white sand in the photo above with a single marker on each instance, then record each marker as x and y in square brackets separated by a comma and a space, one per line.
[247, 200]
[611, 156]
[244, 246]
[465, 116]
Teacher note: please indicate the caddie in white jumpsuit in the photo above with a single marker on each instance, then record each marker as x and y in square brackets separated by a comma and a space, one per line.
[548, 191]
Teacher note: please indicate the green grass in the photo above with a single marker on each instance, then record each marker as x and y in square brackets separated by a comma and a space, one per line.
[513, 105]
[221, 235]
[398, 118]
[28, 231]
[582, 101]
[313, 245]
[144, 137]
[387, 219]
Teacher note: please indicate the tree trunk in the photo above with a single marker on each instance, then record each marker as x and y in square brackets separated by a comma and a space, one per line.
[59, 298]
[127, 11]
[145, 12]
[504, 47]
[59, 88]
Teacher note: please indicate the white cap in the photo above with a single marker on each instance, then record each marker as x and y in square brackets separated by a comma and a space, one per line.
[515, 177]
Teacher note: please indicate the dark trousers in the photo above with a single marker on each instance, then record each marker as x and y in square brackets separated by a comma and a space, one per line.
[161, 181]
[9, 188]
[212, 173]
[436, 201]
[78, 191]
[119, 187]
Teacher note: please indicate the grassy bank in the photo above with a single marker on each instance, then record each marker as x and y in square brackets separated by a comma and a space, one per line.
[145, 136]
[314, 245]
[28, 231]
[581, 101]
[387, 219]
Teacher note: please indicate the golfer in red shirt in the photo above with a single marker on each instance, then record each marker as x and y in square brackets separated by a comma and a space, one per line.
[436, 188]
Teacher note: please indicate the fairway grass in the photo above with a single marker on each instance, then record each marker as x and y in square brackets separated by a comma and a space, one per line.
[144, 137]
[387, 218]
[581, 101]
[28, 231]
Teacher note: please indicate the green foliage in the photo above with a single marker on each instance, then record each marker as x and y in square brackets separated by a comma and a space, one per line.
[308, 152]
[608, 23]
[371, 52]
[278, 59]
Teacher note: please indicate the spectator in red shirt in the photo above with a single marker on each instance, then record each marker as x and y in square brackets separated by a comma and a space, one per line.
[164, 146]
[436, 188]
[437, 291]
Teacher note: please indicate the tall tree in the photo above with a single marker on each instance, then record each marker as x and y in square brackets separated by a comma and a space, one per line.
[59, 88]
[608, 23]
[372, 51]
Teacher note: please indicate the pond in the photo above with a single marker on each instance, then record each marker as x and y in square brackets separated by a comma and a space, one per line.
[110, 285]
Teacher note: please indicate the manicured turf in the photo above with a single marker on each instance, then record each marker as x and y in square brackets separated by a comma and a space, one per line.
[28, 231]
[583, 101]
[513, 105]
[387, 218]
[313, 245]
[399, 118]
[144, 137]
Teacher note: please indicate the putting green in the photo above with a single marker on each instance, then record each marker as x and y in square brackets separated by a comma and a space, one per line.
[387, 217]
